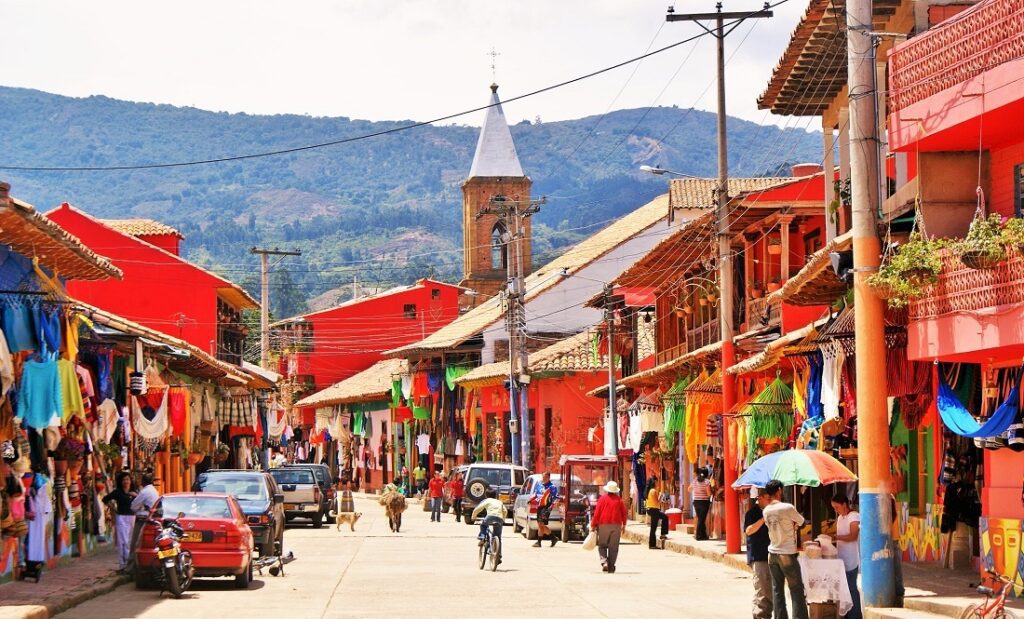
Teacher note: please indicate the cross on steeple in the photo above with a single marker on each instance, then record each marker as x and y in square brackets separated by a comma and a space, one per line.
[494, 55]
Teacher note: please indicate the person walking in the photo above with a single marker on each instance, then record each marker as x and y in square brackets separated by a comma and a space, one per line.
[783, 522]
[847, 534]
[544, 495]
[655, 513]
[419, 476]
[141, 505]
[609, 520]
[124, 518]
[436, 488]
[458, 487]
[757, 553]
[700, 494]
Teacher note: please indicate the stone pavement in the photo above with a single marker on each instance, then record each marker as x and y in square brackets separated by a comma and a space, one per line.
[931, 591]
[72, 583]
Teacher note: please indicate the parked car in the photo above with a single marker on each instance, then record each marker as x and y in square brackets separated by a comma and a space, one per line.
[446, 501]
[217, 534]
[302, 495]
[322, 472]
[261, 501]
[524, 508]
[505, 478]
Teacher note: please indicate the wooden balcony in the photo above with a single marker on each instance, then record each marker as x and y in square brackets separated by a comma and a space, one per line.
[962, 289]
[708, 333]
[979, 39]
[664, 356]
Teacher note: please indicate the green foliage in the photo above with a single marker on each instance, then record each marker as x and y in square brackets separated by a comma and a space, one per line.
[344, 205]
[908, 273]
[984, 240]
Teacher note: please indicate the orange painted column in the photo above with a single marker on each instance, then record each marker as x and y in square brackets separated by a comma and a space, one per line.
[732, 503]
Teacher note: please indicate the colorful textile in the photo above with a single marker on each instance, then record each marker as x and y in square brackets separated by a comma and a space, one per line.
[452, 373]
[39, 400]
[17, 325]
[434, 379]
[958, 419]
[70, 390]
[177, 410]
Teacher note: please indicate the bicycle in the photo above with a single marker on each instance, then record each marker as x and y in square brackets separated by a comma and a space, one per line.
[490, 549]
[993, 606]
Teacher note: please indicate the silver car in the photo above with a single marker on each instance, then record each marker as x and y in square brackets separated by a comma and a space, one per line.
[524, 511]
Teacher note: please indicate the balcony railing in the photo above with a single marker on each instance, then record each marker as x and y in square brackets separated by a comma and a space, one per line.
[962, 289]
[664, 356]
[964, 47]
[708, 333]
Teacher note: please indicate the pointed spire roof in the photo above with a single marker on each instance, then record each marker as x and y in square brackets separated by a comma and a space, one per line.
[495, 150]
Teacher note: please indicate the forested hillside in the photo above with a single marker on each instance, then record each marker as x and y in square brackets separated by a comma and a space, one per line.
[383, 210]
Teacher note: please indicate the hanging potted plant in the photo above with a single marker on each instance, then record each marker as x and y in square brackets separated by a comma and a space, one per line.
[774, 246]
[909, 271]
[984, 246]
[682, 311]
[756, 290]
[703, 300]
[1013, 233]
[773, 284]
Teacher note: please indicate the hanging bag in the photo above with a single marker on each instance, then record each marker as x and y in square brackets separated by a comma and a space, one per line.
[590, 542]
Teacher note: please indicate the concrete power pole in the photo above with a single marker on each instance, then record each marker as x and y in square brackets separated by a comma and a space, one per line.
[265, 299]
[513, 214]
[725, 277]
[611, 303]
[876, 547]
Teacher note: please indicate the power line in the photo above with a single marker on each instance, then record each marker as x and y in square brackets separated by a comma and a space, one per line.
[374, 134]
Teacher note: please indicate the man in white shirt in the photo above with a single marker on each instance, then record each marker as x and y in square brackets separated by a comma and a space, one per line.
[141, 507]
[783, 522]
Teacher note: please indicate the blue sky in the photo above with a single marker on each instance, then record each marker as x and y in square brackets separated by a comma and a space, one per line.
[380, 60]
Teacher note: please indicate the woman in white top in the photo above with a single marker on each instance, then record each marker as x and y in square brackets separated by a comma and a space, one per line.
[847, 534]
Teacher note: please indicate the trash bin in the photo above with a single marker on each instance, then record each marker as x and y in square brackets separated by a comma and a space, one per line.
[675, 518]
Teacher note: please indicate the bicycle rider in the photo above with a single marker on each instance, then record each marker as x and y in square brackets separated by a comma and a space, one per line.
[495, 514]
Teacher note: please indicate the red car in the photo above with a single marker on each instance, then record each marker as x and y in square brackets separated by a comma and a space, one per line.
[216, 533]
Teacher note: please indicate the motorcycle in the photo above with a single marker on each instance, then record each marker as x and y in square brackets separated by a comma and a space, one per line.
[175, 573]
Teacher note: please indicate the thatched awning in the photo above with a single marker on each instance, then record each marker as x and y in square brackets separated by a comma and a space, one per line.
[816, 283]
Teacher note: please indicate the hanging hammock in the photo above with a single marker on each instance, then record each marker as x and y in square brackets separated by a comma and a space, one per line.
[771, 416]
[959, 419]
[675, 410]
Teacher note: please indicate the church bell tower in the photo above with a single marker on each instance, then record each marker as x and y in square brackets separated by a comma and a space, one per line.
[495, 173]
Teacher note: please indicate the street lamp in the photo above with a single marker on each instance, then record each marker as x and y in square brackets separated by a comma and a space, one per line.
[662, 171]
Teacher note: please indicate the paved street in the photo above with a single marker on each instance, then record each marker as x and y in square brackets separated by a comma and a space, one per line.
[430, 569]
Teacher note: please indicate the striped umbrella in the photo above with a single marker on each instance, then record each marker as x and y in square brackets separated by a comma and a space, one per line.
[795, 467]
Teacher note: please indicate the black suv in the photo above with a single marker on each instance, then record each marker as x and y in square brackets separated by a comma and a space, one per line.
[505, 479]
[322, 474]
[260, 499]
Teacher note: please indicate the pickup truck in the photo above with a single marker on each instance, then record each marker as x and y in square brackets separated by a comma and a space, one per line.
[301, 494]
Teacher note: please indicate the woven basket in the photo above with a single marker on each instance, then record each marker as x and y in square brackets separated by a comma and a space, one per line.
[978, 259]
[882, 291]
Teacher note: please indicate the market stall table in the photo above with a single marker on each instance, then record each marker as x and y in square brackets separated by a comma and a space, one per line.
[825, 581]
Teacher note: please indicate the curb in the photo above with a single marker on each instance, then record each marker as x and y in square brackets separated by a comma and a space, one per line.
[79, 597]
[738, 562]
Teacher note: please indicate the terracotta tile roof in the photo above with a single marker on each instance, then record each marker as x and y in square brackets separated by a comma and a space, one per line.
[420, 283]
[774, 350]
[32, 234]
[699, 192]
[231, 291]
[373, 383]
[141, 227]
[669, 371]
[197, 363]
[543, 279]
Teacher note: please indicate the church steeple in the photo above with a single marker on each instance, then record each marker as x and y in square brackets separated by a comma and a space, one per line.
[496, 171]
[495, 150]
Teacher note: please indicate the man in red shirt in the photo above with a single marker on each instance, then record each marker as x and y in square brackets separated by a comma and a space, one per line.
[458, 487]
[436, 488]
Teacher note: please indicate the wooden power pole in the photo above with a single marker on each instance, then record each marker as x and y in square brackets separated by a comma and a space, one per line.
[265, 299]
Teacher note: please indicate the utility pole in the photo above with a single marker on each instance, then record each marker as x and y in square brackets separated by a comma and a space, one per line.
[612, 303]
[264, 255]
[725, 277]
[876, 548]
[513, 214]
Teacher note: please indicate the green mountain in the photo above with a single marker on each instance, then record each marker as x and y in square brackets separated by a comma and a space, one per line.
[383, 210]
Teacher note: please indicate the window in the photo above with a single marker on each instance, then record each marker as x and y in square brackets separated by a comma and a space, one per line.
[409, 311]
[547, 432]
[499, 249]
[435, 293]
[1018, 190]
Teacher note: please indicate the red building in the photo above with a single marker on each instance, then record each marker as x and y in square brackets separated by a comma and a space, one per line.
[160, 289]
[325, 347]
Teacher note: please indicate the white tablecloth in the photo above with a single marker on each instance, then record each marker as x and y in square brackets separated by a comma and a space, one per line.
[824, 581]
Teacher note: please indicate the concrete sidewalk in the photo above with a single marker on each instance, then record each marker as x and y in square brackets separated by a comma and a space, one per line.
[62, 588]
[930, 590]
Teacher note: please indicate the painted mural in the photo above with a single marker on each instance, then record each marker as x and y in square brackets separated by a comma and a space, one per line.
[1000, 549]
[919, 536]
